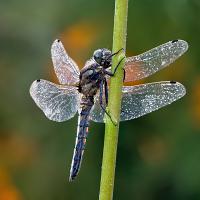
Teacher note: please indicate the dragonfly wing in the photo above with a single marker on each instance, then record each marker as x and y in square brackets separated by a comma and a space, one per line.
[142, 99]
[66, 69]
[148, 63]
[97, 113]
[59, 103]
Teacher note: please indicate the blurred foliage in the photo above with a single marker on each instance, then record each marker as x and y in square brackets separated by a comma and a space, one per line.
[158, 154]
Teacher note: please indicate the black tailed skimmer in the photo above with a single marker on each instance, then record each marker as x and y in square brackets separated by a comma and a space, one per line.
[85, 91]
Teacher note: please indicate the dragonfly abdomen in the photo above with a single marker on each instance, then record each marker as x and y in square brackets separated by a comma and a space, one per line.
[82, 132]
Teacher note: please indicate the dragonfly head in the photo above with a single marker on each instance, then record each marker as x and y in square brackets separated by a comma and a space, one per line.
[103, 57]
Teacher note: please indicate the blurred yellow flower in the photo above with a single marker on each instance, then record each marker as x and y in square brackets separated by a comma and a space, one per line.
[7, 190]
[153, 150]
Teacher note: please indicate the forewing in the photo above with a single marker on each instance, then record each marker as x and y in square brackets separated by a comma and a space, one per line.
[148, 63]
[59, 103]
[65, 68]
[142, 99]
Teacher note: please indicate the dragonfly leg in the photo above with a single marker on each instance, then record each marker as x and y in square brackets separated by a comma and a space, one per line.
[101, 103]
[106, 91]
[113, 73]
[124, 74]
[116, 52]
[118, 65]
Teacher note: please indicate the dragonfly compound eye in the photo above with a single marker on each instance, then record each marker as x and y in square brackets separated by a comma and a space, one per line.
[98, 56]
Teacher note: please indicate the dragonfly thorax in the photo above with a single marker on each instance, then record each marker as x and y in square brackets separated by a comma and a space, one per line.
[90, 80]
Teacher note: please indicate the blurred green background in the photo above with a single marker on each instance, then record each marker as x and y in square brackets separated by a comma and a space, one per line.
[158, 154]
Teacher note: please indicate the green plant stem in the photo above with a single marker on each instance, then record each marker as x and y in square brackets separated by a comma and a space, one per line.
[114, 104]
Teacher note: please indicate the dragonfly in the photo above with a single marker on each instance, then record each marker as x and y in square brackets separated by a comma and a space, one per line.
[86, 91]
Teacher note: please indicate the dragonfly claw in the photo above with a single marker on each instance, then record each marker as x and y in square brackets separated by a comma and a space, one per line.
[112, 119]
